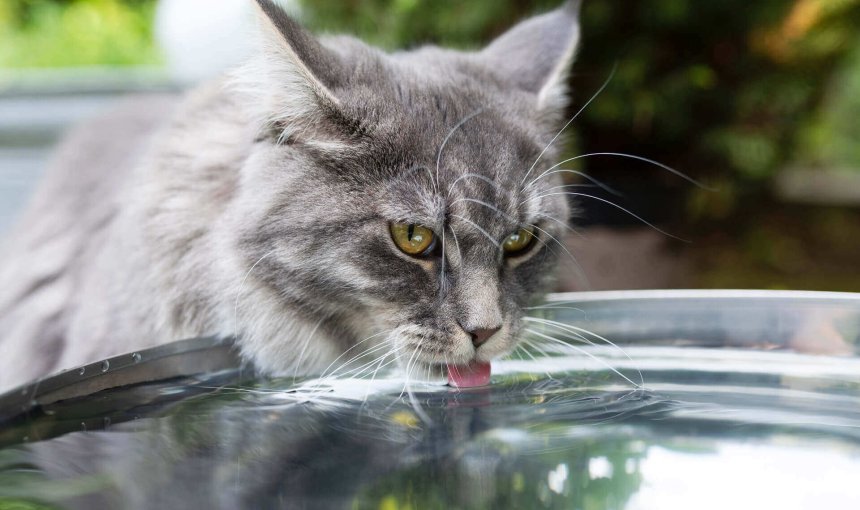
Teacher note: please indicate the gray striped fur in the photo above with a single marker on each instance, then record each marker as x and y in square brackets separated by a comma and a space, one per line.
[258, 206]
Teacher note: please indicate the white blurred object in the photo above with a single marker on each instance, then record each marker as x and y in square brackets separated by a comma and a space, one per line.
[202, 38]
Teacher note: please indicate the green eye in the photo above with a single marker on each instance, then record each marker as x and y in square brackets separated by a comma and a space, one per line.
[412, 239]
[517, 242]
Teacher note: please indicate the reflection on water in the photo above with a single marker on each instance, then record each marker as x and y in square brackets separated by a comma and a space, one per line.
[654, 426]
[579, 439]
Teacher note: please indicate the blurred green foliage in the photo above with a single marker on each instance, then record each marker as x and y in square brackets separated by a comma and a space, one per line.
[724, 90]
[727, 90]
[832, 138]
[72, 33]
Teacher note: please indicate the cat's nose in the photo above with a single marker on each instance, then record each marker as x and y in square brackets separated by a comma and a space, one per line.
[481, 335]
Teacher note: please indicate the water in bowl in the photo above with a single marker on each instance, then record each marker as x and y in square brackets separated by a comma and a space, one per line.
[651, 402]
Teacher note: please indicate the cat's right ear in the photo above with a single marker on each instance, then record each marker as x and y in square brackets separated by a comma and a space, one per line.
[536, 56]
[290, 81]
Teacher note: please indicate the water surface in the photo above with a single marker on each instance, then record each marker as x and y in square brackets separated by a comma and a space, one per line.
[733, 401]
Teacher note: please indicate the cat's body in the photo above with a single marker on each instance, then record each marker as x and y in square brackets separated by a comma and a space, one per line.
[260, 207]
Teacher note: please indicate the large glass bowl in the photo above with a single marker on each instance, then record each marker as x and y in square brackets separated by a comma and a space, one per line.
[638, 400]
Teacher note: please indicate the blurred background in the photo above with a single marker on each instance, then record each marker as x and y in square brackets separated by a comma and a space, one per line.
[758, 101]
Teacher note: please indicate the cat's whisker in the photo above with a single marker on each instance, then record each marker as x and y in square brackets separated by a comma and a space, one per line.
[573, 336]
[566, 226]
[382, 364]
[539, 348]
[457, 244]
[578, 267]
[445, 142]
[622, 155]
[582, 331]
[239, 290]
[583, 351]
[522, 346]
[569, 122]
[487, 205]
[304, 348]
[347, 370]
[552, 304]
[613, 204]
[554, 307]
[324, 373]
[416, 406]
[479, 229]
[408, 369]
[413, 169]
[358, 371]
[476, 176]
[443, 286]
[594, 183]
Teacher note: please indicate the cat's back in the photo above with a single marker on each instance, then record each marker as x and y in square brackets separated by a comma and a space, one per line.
[90, 163]
[59, 233]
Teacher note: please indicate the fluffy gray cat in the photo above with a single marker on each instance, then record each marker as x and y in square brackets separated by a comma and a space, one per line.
[327, 197]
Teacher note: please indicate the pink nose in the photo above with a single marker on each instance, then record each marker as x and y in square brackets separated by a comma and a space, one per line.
[481, 335]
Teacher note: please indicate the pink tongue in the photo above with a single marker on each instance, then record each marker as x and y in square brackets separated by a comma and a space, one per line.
[468, 376]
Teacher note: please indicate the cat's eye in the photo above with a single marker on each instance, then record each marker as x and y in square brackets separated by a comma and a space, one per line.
[518, 242]
[413, 239]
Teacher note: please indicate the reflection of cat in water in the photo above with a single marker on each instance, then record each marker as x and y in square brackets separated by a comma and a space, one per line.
[220, 453]
[327, 197]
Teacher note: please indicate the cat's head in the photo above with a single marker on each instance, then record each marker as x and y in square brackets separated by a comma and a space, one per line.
[403, 195]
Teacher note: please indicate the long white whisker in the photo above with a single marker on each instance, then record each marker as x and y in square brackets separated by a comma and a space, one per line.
[344, 353]
[448, 137]
[416, 406]
[357, 371]
[605, 83]
[239, 290]
[623, 155]
[599, 184]
[304, 348]
[442, 284]
[379, 367]
[457, 243]
[579, 269]
[583, 351]
[467, 220]
[407, 368]
[543, 352]
[354, 371]
[532, 356]
[613, 204]
[476, 176]
[565, 225]
[578, 330]
[487, 205]
[552, 304]
[554, 307]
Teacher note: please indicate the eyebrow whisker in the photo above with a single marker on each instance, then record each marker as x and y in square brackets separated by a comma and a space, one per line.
[481, 230]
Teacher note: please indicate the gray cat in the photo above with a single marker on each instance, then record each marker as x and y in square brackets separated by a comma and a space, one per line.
[326, 198]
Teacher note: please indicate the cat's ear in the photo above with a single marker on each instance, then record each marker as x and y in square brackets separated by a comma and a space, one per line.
[536, 55]
[292, 78]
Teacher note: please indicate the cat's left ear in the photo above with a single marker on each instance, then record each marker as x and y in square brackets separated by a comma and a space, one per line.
[536, 56]
[292, 80]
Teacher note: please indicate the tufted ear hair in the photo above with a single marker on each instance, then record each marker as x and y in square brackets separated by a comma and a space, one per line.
[536, 55]
[292, 79]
